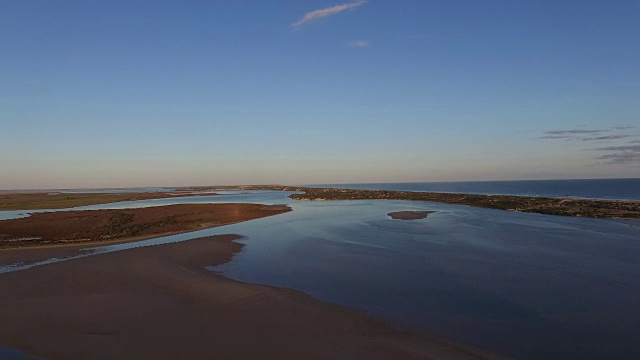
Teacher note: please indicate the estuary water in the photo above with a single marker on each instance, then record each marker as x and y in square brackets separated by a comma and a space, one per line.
[529, 286]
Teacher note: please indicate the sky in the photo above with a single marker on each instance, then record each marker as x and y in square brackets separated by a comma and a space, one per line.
[178, 93]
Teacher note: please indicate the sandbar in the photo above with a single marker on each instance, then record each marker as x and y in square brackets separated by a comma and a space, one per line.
[409, 215]
[160, 302]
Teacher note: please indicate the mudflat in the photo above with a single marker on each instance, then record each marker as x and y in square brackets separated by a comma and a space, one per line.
[58, 200]
[409, 215]
[160, 302]
[91, 226]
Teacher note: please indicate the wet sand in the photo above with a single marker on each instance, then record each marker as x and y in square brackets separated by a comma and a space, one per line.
[159, 302]
[95, 226]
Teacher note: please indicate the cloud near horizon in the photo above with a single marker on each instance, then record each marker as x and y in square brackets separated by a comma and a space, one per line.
[568, 137]
[588, 134]
[322, 13]
[615, 155]
[635, 148]
[359, 43]
[626, 158]
[608, 137]
[626, 154]
[575, 131]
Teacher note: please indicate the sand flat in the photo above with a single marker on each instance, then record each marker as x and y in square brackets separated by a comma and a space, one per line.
[159, 302]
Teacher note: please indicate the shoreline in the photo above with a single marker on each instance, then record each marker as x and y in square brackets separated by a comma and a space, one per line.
[594, 208]
[160, 302]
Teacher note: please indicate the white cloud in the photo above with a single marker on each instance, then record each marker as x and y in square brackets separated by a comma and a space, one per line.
[322, 13]
[574, 131]
[359, 43]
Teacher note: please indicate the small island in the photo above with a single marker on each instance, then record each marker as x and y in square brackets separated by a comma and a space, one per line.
[409, 215]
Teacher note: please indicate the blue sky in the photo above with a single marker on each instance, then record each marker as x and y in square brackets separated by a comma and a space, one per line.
[152, 93]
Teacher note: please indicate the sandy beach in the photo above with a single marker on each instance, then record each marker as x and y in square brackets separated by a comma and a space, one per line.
[161, 303]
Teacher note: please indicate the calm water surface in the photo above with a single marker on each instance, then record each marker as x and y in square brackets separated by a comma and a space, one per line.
[529, 286]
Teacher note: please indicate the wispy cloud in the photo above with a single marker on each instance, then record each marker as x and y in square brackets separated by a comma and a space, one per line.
[359, 43]
[635, 148]
[627, 154]
[557, 137]
[625, 157]
[587, 135]
[574, 131]
[608, 137]
[322, 13]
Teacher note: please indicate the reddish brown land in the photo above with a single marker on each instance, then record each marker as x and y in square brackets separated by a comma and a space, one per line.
[87, 226]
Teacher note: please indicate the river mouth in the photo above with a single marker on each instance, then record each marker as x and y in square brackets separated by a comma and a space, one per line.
[525, 285]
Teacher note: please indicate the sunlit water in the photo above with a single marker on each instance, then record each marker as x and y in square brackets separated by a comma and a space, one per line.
[529, 286]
